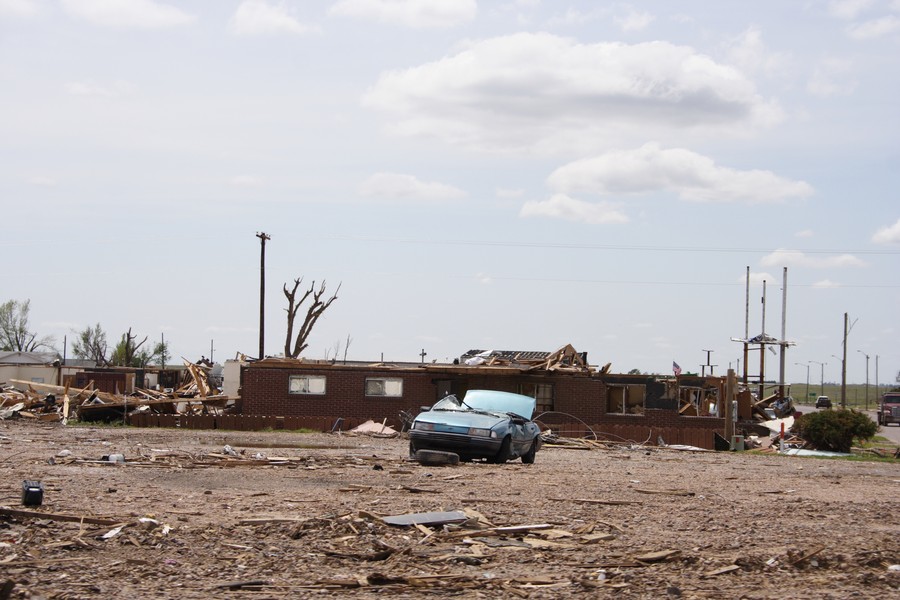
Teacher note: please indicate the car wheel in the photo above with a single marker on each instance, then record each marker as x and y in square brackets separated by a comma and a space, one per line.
[503, 454]
[528, 457]
[412, 449]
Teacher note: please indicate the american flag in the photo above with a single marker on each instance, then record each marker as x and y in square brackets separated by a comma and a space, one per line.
[676, 368]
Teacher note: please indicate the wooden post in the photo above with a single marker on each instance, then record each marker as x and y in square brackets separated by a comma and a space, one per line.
[729, 405]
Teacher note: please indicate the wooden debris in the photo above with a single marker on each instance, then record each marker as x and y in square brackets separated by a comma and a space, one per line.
[665, 492]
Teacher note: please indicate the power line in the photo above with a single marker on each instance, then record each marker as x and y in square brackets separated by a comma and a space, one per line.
[573, 246]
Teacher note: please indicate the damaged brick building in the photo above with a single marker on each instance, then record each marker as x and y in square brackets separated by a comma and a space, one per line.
[572, 398]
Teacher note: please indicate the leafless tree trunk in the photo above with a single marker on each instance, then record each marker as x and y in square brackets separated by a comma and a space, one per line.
[294, 347]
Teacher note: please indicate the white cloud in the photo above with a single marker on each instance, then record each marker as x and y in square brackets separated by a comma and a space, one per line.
[634, 21]
[691, 176]
[848, 9]
[89, 88]
[888, 235]
[409, 13]
[258, 17]
[830, 78]
[561, 206]
[396, 186]
[804, 233]
[540, 91]
[826, 284]
[143, 14]
[875, 28]
[749, 52]
[791, 258]
[484, 279]
[19, 8]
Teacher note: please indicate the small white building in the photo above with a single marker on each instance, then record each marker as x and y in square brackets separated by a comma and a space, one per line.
[37, 367]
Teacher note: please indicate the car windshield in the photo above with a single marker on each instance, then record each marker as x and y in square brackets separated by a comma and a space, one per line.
[503, 402]
[489, 401]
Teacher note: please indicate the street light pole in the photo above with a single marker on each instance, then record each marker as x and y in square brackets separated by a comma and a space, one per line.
[821, 364]
[867, 377]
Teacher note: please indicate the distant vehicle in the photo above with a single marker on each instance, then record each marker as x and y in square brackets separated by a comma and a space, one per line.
[889, 409]
[823, 402]
[487, 424]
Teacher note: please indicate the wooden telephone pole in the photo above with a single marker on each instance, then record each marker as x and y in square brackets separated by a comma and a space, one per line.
[262, 293]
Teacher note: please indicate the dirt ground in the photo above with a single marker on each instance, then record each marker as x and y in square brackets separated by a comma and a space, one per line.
[297, 516]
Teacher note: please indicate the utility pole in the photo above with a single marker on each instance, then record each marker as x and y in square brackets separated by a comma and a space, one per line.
[867, 377]
[762, 349]
[708, 364]
[162, 343]
[262, 293]
[783, 344]
[746, 327]
[423, 354]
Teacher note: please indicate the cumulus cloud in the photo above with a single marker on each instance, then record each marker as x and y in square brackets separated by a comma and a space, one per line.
[416, 14]
[888, 235]
[544, 92]
[258, 17]
[791, 258]
[18, 8]
[561, 206]
[875, 28]
[142, 14]
[693, 177]
[396, 186]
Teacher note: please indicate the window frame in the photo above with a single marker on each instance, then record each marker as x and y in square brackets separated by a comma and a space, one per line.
[625, 393]
[541, 404]
[321, 378]
[385, 381]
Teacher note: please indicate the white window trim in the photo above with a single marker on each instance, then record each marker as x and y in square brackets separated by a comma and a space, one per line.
[386, 380]
[308, 377]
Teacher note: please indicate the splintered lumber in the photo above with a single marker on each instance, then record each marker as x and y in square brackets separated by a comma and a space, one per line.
[58, 389]
[33, 514]
[665, 492]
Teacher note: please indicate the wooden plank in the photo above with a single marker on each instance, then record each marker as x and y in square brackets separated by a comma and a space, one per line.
[33, 514]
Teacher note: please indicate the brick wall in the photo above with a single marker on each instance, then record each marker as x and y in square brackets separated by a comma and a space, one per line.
[579, 401]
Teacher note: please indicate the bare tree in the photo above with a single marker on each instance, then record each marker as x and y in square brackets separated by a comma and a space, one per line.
[91, 344]
[126, 351]
[347, 346]
[15, 335]
[294, 347]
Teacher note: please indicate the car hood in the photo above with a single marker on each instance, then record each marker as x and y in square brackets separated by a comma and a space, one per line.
[461, 418]
[501, 402]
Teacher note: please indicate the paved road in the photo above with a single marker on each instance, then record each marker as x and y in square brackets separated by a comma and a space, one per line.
[891, 432]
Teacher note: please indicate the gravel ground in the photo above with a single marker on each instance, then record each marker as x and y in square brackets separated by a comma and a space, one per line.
[297, 515]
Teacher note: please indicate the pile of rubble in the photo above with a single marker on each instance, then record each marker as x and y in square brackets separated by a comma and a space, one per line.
[47, 402]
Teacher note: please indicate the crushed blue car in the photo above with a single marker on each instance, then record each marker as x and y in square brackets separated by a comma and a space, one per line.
[484, 424]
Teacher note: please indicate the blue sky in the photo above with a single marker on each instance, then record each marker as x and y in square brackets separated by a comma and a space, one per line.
[509, 175]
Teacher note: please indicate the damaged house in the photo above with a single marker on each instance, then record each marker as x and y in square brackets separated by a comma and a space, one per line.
[572, 397]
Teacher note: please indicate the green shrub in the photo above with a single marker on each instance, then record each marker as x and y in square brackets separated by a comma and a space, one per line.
[835, 430]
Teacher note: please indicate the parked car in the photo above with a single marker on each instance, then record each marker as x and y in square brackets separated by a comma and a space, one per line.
[823, 402]
[487, 424]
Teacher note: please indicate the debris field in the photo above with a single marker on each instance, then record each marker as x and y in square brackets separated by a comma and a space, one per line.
[170, 513]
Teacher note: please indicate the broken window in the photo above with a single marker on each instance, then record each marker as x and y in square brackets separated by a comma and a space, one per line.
[384, 386]
[698, 401]
[626, 399]
[542, 394]
[306, 384]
